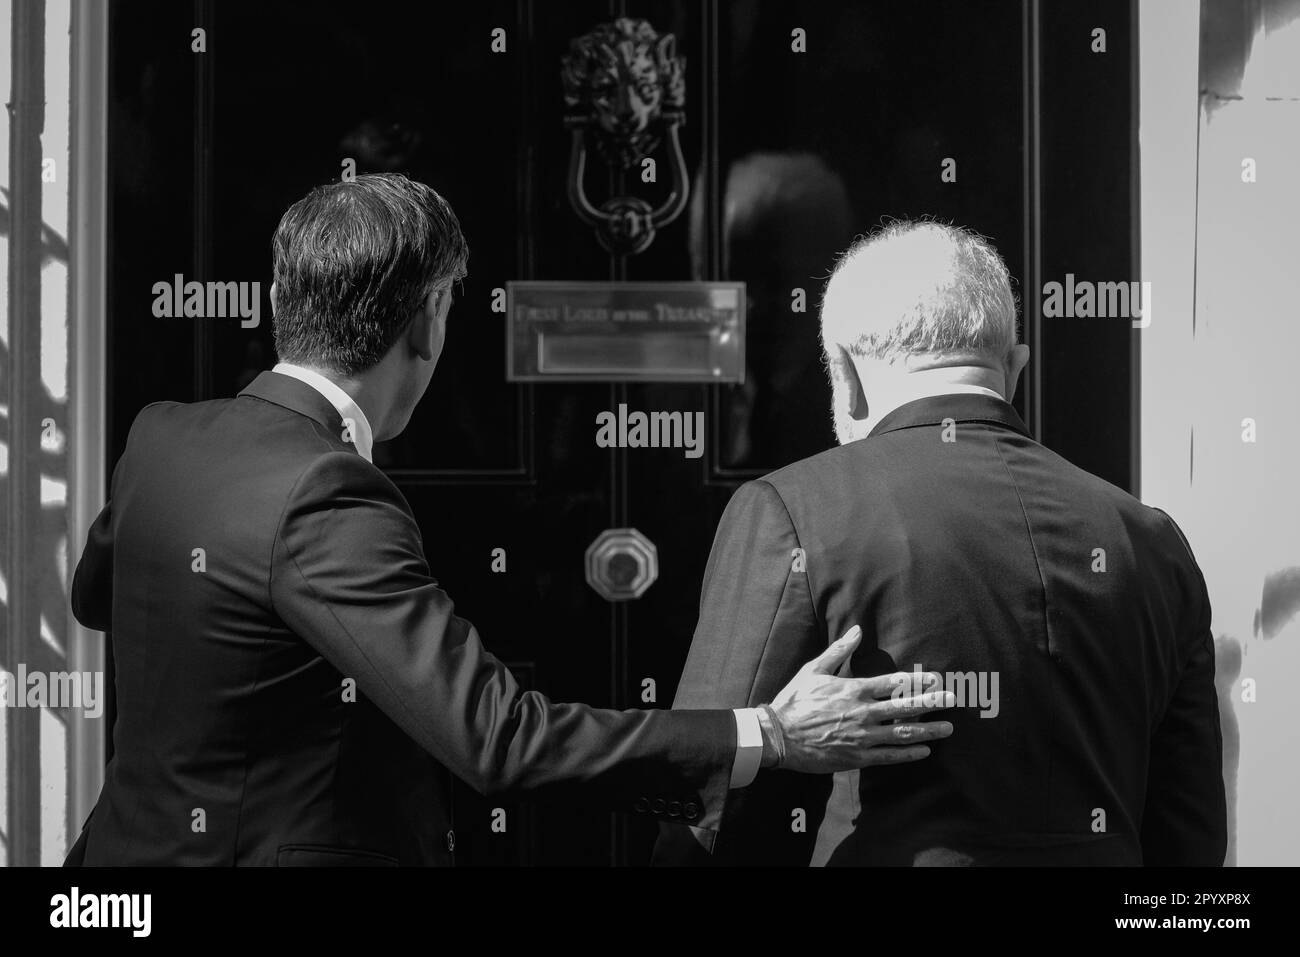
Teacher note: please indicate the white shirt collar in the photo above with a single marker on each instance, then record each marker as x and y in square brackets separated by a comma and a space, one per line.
[973, 390]
[356, 425]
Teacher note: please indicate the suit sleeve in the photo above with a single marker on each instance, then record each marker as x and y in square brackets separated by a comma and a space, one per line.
[1185, 821]
[349, 576]
[91, 595]
[92, 582]
[757, 627]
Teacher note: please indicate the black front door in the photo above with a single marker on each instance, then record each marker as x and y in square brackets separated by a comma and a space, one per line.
[803, 128]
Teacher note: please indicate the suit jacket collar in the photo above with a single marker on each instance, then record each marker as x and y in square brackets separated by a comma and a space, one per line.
[960, 407]
[296, 396]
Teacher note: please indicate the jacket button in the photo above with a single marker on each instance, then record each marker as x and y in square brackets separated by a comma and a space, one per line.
[675, 809]
[658, 806]
[691, 811]
[451, 841]
[641, 805]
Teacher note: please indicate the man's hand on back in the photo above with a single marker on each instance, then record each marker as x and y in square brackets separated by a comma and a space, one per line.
[819, 723]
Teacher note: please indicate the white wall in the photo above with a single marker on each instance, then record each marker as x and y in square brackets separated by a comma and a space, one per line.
[1221, 353]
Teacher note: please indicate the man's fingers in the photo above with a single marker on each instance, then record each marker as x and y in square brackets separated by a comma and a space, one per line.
[911, 733]
[904, 684]
[916, 704]
[829, 661]
[913, 752]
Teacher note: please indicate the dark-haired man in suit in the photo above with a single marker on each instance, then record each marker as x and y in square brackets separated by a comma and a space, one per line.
[289, 673]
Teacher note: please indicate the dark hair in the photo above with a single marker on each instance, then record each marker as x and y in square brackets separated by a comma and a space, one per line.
[354, 262]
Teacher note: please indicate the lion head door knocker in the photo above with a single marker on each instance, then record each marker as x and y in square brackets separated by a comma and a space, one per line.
[624, 92]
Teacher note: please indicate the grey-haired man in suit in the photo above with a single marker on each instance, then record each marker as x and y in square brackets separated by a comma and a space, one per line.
[1071, 620]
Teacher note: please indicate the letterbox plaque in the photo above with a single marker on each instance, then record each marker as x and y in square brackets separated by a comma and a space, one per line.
[625, 331]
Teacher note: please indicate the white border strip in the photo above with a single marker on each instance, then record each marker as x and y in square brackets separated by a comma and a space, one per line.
[1169, 111]
[87, 386]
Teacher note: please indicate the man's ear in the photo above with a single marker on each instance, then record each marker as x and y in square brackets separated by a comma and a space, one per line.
[273, 300]
[423, 331]
[1015, 364]
[848, 370]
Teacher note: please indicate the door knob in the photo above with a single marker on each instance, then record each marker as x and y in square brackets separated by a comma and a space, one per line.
[621, 564]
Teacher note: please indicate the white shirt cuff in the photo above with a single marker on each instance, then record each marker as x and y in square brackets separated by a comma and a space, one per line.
[749, 747]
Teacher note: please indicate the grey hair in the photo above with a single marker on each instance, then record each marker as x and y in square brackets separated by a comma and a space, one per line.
[919, 287]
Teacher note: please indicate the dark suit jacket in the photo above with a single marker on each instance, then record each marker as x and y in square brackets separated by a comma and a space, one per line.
[253, 569]
[982, 555]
